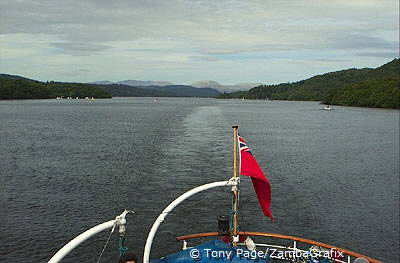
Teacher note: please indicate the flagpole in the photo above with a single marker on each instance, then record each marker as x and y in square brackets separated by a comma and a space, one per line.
[235, 189]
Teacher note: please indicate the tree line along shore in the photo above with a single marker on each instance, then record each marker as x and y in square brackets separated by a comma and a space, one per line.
[379, 88]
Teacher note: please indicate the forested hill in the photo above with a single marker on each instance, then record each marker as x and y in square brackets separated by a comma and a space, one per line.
[16, 87]
[380, 89]
[353, 87]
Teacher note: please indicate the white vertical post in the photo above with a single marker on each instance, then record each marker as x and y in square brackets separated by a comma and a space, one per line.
[184, 247]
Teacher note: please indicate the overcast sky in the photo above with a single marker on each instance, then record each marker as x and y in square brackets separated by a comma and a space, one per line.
[183, 41]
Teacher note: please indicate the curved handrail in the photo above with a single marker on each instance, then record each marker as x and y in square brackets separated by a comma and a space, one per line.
[273, 235]
[171, 206]
[118, 221]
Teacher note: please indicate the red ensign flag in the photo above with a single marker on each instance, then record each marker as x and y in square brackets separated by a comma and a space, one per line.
[250, 167]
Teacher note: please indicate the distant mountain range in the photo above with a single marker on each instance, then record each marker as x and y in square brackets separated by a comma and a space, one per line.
[119, 90]
[17, 87]
[135, 83]
[224, 88]
[199, 84]
[365, 87]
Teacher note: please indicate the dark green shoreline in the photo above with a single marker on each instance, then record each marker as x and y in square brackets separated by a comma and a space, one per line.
[375, 88]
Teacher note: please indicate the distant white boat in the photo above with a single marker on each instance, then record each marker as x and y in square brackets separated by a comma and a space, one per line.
[327, 107]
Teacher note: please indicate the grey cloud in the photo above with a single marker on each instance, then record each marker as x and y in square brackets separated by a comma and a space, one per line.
[79, 48]
[74, 72]
[224, 26]
[332, 60]
[389, 54]
[357, 42]
[203, 58]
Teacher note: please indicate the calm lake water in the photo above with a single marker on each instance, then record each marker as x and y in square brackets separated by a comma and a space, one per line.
[69, 165]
